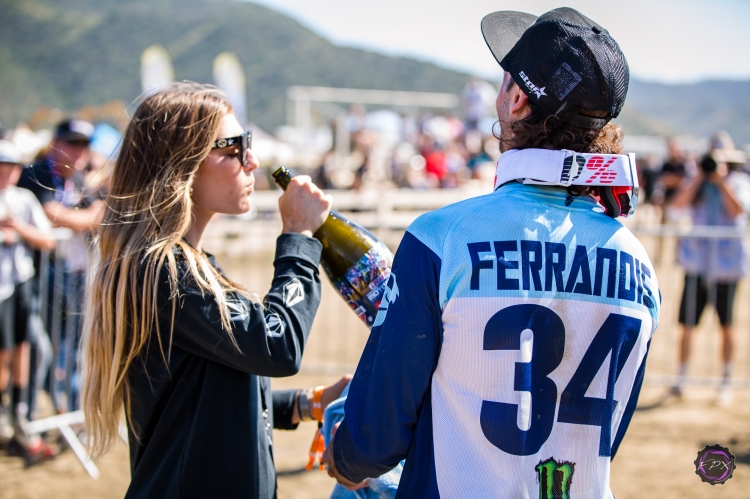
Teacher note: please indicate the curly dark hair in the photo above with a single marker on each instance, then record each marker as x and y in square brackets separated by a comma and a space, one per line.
[543, 131]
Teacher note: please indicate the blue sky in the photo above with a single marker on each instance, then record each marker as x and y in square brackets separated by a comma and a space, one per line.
[664, 40]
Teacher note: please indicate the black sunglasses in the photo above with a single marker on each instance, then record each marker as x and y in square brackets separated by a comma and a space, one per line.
[245, 141]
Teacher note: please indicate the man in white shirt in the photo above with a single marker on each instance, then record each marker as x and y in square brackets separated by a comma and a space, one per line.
[23, 226]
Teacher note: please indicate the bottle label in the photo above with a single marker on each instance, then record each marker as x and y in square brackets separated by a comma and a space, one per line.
[363, 284]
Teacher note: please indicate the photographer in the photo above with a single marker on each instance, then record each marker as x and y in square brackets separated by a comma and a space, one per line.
[718, 196]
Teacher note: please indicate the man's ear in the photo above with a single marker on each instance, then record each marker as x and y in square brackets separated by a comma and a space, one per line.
[519, 107]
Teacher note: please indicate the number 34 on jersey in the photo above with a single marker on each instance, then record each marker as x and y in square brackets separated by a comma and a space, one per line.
[550, 381]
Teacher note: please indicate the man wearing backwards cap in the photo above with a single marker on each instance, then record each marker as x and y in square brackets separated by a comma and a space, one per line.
[509, 349]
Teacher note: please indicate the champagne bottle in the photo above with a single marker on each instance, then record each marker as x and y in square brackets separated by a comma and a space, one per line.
[357, 264]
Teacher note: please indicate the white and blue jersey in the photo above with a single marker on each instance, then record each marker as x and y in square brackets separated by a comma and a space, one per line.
[508, 353]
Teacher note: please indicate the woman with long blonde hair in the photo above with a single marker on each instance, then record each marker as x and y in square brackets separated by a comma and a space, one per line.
[169, 336]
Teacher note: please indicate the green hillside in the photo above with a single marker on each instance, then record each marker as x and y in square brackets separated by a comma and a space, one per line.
[71, 53]
[698, 108]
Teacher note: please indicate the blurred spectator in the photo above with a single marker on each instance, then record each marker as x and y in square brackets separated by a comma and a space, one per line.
[355, 120]
[673, 172]
[471, 98]
[57, 181]
[428, 151]
[718, 196]
[322, 176]
[455, 162]
[649, 171]
[23, 225]
[435, 164]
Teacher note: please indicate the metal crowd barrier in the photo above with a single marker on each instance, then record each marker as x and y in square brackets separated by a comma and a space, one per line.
[58, 304]
[705, 367]
[245, 250]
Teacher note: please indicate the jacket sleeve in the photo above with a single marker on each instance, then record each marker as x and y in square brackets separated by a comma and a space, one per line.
[271, 336]
[394, 374]
[283, 405]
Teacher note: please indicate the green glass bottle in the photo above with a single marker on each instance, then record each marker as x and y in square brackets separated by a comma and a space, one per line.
[356, 262]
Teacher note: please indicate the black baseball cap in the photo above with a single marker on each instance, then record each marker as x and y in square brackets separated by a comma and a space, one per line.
[75, 131]
[566, 63]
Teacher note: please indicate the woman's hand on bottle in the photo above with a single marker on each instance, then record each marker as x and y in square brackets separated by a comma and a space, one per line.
[303, 206]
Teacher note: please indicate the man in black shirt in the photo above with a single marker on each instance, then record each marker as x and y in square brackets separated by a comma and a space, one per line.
[672, 174]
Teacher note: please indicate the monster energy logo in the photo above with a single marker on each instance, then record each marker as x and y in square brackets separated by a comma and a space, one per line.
[554, 479]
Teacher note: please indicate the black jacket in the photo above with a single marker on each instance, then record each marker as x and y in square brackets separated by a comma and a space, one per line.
[201, 428]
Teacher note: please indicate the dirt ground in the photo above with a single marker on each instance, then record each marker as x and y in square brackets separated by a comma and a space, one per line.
[655, 460]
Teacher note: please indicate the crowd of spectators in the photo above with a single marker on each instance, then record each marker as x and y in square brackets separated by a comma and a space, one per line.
[41, 292]
[426, 151]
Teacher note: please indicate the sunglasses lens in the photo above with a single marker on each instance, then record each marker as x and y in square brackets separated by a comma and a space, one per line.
[247, 142]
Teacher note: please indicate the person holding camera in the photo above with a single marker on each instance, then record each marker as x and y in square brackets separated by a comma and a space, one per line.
[718, 196]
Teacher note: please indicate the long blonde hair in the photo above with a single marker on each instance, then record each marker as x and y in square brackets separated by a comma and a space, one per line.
[148, 214]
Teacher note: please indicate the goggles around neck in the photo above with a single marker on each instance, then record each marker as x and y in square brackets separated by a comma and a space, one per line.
[613, 176]
[244, 141]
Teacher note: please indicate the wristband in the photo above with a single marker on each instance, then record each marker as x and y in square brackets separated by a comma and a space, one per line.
[303, 405]
[316, 409]
[299, 405]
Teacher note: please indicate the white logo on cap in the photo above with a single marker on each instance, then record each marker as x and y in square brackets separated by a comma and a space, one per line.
[293, 292]
[533, 88]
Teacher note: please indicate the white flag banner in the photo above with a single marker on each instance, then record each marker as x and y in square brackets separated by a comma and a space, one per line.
[156, 69]
[229, 76]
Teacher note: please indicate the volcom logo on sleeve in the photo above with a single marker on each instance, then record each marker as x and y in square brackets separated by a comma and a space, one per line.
[293, 292]
[238, 311]
[539, 92]
[275, 326]
[389, 297]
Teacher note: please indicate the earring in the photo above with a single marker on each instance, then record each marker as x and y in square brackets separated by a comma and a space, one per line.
[191, 190]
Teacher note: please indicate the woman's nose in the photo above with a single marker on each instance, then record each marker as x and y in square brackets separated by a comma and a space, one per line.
[251, 162]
